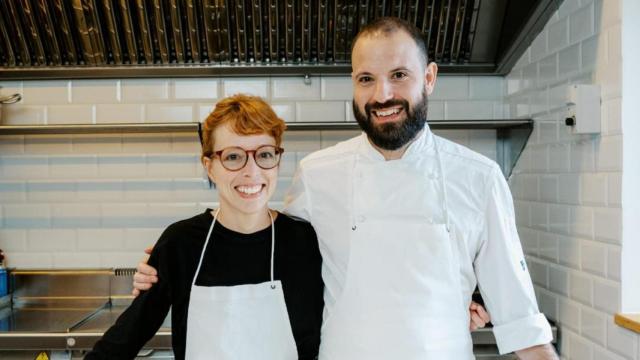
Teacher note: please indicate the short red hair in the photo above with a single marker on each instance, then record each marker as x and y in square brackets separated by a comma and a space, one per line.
[245, 115]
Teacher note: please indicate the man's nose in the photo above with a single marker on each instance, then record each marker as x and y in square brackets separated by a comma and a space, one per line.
[383, 92]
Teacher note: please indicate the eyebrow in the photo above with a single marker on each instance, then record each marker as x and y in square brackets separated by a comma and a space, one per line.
[362, 73]
[400, 69]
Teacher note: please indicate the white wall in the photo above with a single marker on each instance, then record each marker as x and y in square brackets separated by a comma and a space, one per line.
[631, 164]
[567, 188]
[98, 200]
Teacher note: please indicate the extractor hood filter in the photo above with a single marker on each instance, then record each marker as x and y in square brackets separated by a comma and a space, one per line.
[88, 33]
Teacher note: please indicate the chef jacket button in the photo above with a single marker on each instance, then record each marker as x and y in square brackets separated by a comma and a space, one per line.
[361, 218]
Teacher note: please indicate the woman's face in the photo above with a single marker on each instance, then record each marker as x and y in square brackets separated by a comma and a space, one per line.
[249, 189]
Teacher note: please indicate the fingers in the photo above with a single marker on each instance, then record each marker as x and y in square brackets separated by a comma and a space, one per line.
[476, 322]
[141, 278]
[484, 315]
[148, 250]
[144, 278]
[145, 269]
[135, 292]
[479, 317]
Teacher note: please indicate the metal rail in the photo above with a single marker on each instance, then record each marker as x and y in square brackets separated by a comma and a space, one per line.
[116, 128]
[511, 134]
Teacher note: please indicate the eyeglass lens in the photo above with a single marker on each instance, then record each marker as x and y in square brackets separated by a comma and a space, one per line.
[266, 157]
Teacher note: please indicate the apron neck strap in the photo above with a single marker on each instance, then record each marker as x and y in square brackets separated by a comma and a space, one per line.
[206, 242]
[273, 247]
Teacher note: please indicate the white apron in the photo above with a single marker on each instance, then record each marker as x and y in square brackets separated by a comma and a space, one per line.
[402, 296]
[243, 322]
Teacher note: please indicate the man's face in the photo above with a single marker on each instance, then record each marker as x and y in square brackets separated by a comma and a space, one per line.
[390, 88]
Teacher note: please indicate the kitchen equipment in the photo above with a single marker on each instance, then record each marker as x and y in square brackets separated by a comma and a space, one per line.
[65, 311]
[103, 38]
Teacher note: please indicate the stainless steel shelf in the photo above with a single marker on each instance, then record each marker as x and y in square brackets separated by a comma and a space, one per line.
[194, 126]
[512, 134]
[202, 71]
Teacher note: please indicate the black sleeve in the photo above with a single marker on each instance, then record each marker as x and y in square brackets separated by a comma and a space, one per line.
[142, 319]
[309, 346]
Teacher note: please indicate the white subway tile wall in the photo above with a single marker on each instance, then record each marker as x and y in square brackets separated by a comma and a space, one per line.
[88, 200]
[571, 184]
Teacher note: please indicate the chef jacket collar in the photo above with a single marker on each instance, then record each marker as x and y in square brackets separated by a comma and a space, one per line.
[424, 142]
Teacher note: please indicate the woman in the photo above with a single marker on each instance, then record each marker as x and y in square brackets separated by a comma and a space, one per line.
[243, 281]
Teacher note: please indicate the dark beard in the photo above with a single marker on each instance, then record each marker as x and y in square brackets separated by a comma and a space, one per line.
[392, 136]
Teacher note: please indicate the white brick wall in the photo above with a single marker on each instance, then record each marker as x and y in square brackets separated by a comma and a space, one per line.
[571, 185]
[99, 200]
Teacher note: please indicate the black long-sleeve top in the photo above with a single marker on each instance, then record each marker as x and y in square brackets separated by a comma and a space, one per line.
[231, 258]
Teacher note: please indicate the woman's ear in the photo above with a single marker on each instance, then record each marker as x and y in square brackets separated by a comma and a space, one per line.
[208, 170]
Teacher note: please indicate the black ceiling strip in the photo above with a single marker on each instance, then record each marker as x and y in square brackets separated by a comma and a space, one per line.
[128, 31]
[144, 31]
[159, 32]
[45, 20]
[192, 29]
[112, 39]
[8, 55]
[223, 25]
[176, 31]
[32, 34]
[63, 31]
[258, 30]
[209, 29]
[88, 53]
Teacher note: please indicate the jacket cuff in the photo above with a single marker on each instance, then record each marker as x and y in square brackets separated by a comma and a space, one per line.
[523, 333]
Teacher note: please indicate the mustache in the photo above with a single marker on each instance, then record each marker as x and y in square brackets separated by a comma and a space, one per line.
[389, 103]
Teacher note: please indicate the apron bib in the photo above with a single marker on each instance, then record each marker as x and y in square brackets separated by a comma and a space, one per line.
[242, 322]
[402, 297]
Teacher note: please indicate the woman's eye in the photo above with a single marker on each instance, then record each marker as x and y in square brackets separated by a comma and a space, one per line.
[232, 157]
[266, 155]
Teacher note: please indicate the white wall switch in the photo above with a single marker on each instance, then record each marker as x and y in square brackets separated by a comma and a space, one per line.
[583, 109]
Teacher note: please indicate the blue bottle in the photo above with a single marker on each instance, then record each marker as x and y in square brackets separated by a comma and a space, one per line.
[3, 276]
[3, 281]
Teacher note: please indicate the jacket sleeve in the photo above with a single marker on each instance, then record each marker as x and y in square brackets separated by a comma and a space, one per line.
[297, 201]
[503, 276]
[141, 320]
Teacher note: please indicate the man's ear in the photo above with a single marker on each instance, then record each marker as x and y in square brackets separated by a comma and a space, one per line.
[430, 75]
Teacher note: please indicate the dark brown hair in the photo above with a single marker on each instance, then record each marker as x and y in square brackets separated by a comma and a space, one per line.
[388, 25]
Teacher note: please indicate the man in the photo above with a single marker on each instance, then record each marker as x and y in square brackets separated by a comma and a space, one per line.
[408, 223]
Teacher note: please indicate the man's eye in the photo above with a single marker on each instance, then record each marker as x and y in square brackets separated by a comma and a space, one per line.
[365, 79]
[398, 75]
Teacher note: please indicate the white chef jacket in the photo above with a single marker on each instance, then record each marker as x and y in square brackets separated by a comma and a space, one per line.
[480, 210]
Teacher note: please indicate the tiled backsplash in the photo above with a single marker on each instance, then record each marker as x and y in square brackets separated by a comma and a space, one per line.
[567, 188]
[98, 200]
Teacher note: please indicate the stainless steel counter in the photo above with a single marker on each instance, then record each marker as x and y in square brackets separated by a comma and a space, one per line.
[70, 311]
[65, 329]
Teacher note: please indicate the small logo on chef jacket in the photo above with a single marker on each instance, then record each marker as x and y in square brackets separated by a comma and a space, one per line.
[523, 265]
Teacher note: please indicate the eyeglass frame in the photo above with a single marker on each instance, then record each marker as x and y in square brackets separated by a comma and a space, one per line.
[280, 151]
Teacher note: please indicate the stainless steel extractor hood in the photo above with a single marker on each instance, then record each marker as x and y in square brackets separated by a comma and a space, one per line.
[181, 38]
